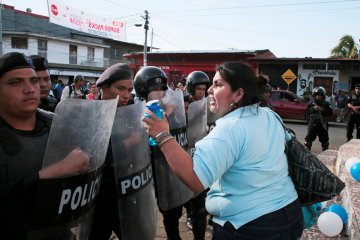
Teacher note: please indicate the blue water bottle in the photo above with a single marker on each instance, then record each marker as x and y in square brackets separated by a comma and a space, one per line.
[154, 106]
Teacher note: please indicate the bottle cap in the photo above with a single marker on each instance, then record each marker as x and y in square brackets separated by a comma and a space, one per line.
[153, 105]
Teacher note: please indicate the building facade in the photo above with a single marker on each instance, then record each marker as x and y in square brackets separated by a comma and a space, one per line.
[332, 74]
[295, 74]
[177, 65]
[69, 52]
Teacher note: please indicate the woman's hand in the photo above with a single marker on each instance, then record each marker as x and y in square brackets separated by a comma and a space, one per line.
[154, 126]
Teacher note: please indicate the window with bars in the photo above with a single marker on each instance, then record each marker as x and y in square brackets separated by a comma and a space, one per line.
[19, 43]
[91, 54]
[116, 53]
[73, 54]
[42, 48]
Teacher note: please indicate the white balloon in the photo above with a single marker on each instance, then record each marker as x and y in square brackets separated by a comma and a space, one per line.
[330, 224]
[350, 162]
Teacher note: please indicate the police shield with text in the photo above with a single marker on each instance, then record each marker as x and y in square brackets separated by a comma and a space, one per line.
[133, 174]
[151, 83]
[64, 206]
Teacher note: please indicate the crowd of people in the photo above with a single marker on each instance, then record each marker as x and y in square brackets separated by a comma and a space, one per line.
[234, 173]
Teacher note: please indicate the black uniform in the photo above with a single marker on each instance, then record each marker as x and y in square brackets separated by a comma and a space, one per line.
[48, 104]
[21, 157]
[354, 118]
[318, 125]
[106, 216]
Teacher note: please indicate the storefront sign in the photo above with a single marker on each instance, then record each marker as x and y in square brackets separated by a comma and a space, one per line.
[68, 16]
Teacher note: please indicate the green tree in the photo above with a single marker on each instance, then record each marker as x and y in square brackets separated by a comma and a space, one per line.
[347, 48]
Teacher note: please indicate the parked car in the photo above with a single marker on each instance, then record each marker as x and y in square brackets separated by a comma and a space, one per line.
[288, 105]
[291, 106]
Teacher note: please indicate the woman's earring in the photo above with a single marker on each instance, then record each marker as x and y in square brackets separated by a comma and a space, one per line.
[233, 106]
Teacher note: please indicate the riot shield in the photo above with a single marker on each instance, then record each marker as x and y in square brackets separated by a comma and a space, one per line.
[171, 191]
[63, 207]
[133, 174]
[197, 122]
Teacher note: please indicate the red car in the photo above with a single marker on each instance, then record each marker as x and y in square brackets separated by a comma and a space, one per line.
[288, 105]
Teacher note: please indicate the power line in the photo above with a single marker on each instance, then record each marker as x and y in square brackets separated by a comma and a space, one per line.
[266, 5]
[248, 13]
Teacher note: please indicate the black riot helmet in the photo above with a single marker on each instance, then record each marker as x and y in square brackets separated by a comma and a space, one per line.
[149, 78]
[195, 78]
[319, 91]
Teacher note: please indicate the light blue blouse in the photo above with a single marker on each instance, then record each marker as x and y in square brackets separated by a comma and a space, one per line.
[243, 162]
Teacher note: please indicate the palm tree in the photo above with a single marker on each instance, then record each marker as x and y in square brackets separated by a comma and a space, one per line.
[347, 48]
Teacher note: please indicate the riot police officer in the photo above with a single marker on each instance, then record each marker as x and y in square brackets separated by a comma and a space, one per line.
[197, 84]
[354, 119]
[115, 81]
[47, 102]
[318, 110]
[150, 83]
[24, 132]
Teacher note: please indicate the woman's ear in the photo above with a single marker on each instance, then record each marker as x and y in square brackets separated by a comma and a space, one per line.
[238, 95]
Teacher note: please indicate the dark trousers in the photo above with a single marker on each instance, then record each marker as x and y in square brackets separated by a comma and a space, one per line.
[354, 120]
[197, 212]
[198, 215]
[285, 224]
[171, 222]
[106, 217]
[315, 130]
[106, 220]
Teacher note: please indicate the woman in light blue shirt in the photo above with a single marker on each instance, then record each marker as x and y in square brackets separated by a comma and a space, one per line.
[242, 161]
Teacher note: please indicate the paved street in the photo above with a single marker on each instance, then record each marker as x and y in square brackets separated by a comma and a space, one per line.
[337, 134]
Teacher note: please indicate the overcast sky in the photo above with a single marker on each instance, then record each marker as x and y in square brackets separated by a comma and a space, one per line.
[288, 28]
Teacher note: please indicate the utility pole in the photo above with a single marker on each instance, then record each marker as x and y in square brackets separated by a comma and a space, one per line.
[146, 27]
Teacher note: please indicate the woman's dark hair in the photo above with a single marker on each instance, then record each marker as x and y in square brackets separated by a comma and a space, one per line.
[240, 75]
[263, 83]
[264, 86]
